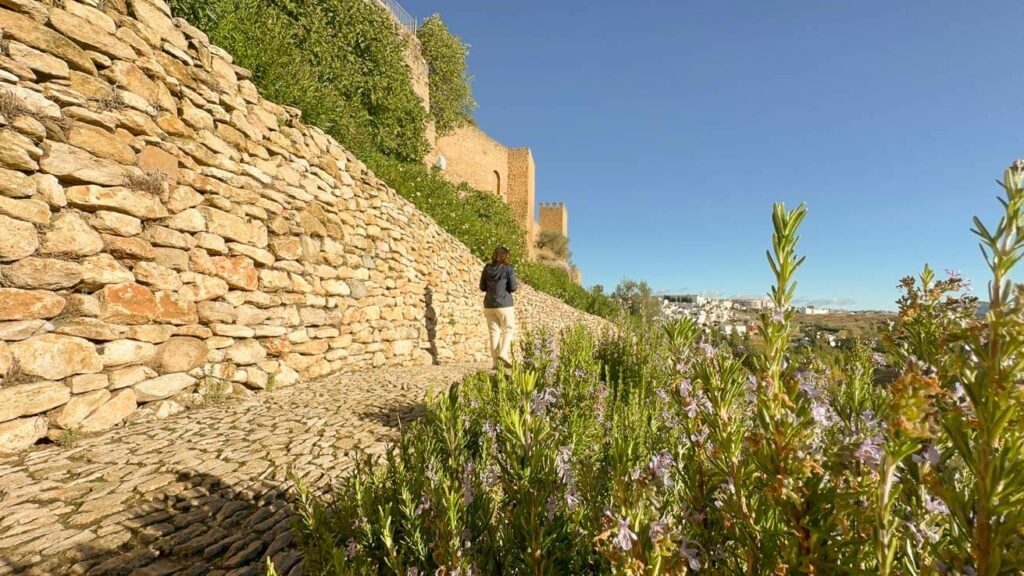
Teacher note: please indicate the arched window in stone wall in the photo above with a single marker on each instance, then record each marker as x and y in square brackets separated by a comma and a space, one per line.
[497, 184]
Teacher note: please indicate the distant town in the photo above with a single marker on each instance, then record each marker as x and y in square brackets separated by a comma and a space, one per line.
[739, 315]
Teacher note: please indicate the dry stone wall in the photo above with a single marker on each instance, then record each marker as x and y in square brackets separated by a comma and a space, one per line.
[167, 235]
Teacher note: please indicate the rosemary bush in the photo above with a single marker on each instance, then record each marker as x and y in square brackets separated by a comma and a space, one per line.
[652, 450]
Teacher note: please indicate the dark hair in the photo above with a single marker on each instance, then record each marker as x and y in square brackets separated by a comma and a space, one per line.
[500, 255]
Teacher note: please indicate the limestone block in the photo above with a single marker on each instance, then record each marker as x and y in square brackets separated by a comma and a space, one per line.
[71, 163]
[29, 399]
[153, 159]
[128, 303]
[17, 304]
[103, 269]
[90, 36]
[116, 223]
[125, 352]
[118, 199]
[23, 329]
[15, 184]
[162, 387]
[188, 220]
[130, 376]
[121, 404]
[70, 235]
[18, 152]
[135, 248]
[87, 383]
[100, 143]
[56, 356]
[200, 287]
[174, 307]
[181, 355]
[41, 273]
[21, 434]
[17, 239]
[70, 415]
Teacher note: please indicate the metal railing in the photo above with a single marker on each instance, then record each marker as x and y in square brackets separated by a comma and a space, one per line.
[403, 17]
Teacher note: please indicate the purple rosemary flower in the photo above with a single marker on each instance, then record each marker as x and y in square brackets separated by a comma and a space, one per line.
[778, 316]
[934, 505]
[544, 399]
[624, 537]
[708, 350]
[685, 389]
[660, 466]
[351, 548]
[424, 504]
[808, 384]
[930, 455]
[551, 507]
[572, 500]
[661, 394]
[467, 483]
[658, 529]
[690, 553]
[579, 372]
[822, 414]
[870, 452]
[432, 472]
[681, 366]
[413, 572]
[491, 429]
[489, 477]
[563, 464]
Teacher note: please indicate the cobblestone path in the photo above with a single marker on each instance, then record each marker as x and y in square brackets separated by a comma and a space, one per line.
[203, 492]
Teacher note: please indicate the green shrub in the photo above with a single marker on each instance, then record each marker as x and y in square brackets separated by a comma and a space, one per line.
[555, 244]
[339, 61]
[451, 99]
[652, 451]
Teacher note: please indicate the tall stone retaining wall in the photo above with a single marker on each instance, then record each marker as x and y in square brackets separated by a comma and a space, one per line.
[167, 235]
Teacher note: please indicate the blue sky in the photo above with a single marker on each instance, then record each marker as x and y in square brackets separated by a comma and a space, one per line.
[670, 128]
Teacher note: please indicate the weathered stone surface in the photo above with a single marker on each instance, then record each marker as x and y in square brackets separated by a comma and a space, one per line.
[17, 304]
[6, 359]
[181, 355]
[128, 248]
[152, 333]
[118, 199]
[41, 273]
[116, 223]
[237, 271]
[126, 352]
[199, 287]
[15, 184]
[34, 34]
[162, 387]
[175, 308]
[19, 435]
[29, 399]
[55, 356]
[77, 165]
[39, 62]
[188, 220]
[70, 415]
[34, 211]
[128, 303]
[49, 190]
[153, 274]
[112, 412]
[17, 239]
[245, 352]
[22, 329]
[103, 269]
[153, 159]
[162, 236]
[87, 383]
[130, 376]
[227, 225]
[100, 143]
[70, 235]
[31, 8]
[89, 36]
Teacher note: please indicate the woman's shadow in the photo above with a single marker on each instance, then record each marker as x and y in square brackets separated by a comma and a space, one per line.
[430, 320]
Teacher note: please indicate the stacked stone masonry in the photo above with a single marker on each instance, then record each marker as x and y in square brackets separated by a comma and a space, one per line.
[167, 234]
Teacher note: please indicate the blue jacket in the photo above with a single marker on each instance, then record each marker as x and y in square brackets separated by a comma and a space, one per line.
[499, 282]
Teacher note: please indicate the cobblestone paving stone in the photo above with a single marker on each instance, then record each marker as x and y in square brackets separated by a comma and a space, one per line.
[203, 492]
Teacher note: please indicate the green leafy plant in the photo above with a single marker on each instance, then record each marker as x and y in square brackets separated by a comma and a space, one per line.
[451, 98]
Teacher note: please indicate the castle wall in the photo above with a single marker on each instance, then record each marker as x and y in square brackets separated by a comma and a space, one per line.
[167, 234]
[475, 158]
[522, 191]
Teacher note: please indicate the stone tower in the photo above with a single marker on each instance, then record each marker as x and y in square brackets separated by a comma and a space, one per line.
[554, 217]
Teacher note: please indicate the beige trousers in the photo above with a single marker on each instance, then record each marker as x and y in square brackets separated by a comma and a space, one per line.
[501, 323]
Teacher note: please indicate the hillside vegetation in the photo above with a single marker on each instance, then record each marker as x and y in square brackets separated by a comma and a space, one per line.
[341, 63]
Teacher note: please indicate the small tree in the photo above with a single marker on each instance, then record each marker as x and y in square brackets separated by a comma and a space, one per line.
[638, 298]
[555, 244]
[451, 99]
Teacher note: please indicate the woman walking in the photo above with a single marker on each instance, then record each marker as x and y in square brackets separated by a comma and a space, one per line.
[498, 280]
